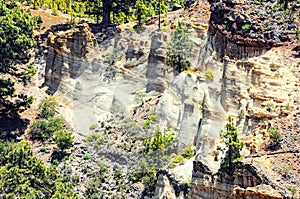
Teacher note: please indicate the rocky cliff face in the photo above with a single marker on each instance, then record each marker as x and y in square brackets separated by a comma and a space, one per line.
[119, 68]
[91, 80]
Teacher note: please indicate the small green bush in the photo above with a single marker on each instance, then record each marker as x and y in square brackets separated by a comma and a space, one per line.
[172, 165]
[288, 107]
[43, 129]
[209, 74]
[43, 149]
[247, 26]
[93, 126]
[47, 107]
[292, 189]
[179, 158]
[86, 156]
[117, 172]
[101, 139]
[147, 123]
[64, 139]
[288, 169]
[188, 152]
[164, 29]
[275, 135]
[269, 106]
[92, 137]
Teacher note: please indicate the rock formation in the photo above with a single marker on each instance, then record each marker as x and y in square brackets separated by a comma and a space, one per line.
[243, 182]
[251, 78]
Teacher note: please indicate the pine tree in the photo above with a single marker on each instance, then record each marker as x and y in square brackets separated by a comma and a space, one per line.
[179, 49]
[140, 11]
[64, 139]
[22, 175]
[16, 38]
[232, 143]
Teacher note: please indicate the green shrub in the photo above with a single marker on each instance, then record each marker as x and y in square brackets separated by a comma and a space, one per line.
[147, 123]
[38, 130]
[247, 26]
[286, 170]
[50, 139]
[188, 152]
[43, 149]
[56, 123]
[288, 107]
[47, 107]
[64, 139]
[172, 165]
[257, 2]
[86, 156]
[179, 158]
[275, 135]
[30, 71]
[93, 126]
[95, 137]
[117, 172]
[43, 129]
[209, 74]
[92, 137]
[164, 29]
[292, 189]
[101, 139]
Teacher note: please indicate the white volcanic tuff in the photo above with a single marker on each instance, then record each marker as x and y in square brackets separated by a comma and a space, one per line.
[95, 89]
[188, 105]
[194, 106]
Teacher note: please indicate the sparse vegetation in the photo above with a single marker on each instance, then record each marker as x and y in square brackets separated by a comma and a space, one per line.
[188, 151]
[86, 156]
[287, 169]
[247, 26]
[275, 135]
[64, 139]
[209, 74]
[43, 129]
[179, 158]
[47, 107]
[292, 189]
[93, 126]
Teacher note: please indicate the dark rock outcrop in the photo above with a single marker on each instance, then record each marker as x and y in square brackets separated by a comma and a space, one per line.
[241, 29]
